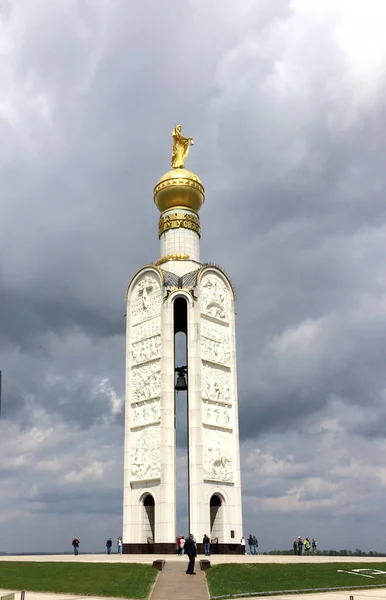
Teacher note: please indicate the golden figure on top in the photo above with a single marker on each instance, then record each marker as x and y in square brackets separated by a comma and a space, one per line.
[181, 147]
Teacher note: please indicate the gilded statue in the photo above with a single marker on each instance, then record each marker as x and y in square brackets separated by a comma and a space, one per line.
[181, 147]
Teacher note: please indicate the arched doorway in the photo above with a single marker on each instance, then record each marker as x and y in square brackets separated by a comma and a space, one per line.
[148, 519]
[216, 518]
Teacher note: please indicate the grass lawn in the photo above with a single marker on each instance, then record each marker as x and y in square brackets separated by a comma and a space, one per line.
[234, 579]
[126, 580]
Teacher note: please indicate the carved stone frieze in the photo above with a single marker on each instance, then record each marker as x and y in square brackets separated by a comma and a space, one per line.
[146, 350]
[215, 384]
[145, 412]
[214, 297]
[215, 351]
[216, 414]
[146, 299]
[146, 381]
[145, 453]
[146, 330]
[218, 455]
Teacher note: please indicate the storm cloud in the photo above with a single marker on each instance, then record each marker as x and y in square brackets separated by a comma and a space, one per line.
[286, 103]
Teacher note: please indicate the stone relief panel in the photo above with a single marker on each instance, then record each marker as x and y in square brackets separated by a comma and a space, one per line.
[218, 456]
[146, 299]
[216, 384]
[146, 453]
[146, 330]
[216, 351]
[214, 298]
[144, 413]
[146, 381]
[215, 414]
[147, 350]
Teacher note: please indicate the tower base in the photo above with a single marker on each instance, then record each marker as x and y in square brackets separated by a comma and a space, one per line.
[165, 548]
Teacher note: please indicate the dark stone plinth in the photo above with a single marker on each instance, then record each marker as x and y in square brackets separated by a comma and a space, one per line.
[158, 564]
[205, 564]
[159, 548]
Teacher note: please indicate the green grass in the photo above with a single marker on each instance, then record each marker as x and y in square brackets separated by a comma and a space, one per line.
[126, 580]
[231, 579]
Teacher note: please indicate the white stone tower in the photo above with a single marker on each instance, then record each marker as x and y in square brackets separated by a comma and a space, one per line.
[180, 293]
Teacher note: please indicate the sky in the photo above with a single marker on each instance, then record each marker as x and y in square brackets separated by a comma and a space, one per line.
[286, 104]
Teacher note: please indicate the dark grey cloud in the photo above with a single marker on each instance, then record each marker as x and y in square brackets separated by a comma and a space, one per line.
[286, 104]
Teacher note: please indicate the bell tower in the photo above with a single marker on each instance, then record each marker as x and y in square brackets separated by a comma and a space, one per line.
[179, 293]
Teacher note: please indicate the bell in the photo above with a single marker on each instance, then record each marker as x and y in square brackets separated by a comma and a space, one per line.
[181, 383]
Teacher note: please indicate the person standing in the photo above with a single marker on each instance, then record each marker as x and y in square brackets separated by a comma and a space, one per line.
[242, 543]
[206, 542]
[250, 543]
[75, 544]
[295, 547]
[182, 545]
[314, 545]
[109, 543]
[190, 549]
[178, 545]
[307, 546]
[255, 545]
[300, 546]
[119, 544]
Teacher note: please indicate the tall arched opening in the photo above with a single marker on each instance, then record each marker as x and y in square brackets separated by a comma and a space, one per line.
[216, 518]
[148, 519]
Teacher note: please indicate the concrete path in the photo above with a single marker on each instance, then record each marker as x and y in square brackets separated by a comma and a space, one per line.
[215, 559]
[174, 584]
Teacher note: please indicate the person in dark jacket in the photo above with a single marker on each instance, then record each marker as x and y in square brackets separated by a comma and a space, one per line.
[206, 542]
[190, 550]
[109, 543]
[75, 544]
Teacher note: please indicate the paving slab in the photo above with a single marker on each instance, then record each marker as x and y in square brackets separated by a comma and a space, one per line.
[174, 584]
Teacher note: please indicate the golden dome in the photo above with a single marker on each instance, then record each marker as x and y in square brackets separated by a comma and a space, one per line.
[179, 188]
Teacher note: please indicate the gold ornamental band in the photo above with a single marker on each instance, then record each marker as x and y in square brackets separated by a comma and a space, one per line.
[174, 220]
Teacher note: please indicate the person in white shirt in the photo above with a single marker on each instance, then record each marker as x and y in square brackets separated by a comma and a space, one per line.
[242, 542]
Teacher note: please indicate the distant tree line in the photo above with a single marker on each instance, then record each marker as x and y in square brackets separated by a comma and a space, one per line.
[356, 552]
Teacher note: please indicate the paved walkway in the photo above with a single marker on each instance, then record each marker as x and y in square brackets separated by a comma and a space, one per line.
[215, 559]
[174, 584]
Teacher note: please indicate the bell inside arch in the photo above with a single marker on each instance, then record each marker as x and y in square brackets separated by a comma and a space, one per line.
[181, 383]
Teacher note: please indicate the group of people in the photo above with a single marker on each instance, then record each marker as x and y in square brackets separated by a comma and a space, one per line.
[181, 541]
[298, 546]
[109, 544]
[251, 542]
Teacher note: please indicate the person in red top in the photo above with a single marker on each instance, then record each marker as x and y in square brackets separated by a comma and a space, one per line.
[75, 544]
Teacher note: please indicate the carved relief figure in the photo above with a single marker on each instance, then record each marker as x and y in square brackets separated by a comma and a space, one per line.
[146, 350]
[145, 414]
[215, 383]
[145, 454]
[218, 459]
[147, 381]
[214, 297]
[215, 352]
[146, 299]
[146, 330]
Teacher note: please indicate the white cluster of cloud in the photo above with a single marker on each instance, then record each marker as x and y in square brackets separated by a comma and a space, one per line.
[286, 102]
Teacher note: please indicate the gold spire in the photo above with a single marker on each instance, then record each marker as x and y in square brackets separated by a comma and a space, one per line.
[179, 187]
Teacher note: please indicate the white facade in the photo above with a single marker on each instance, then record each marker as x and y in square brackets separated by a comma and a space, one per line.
[213, 437]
